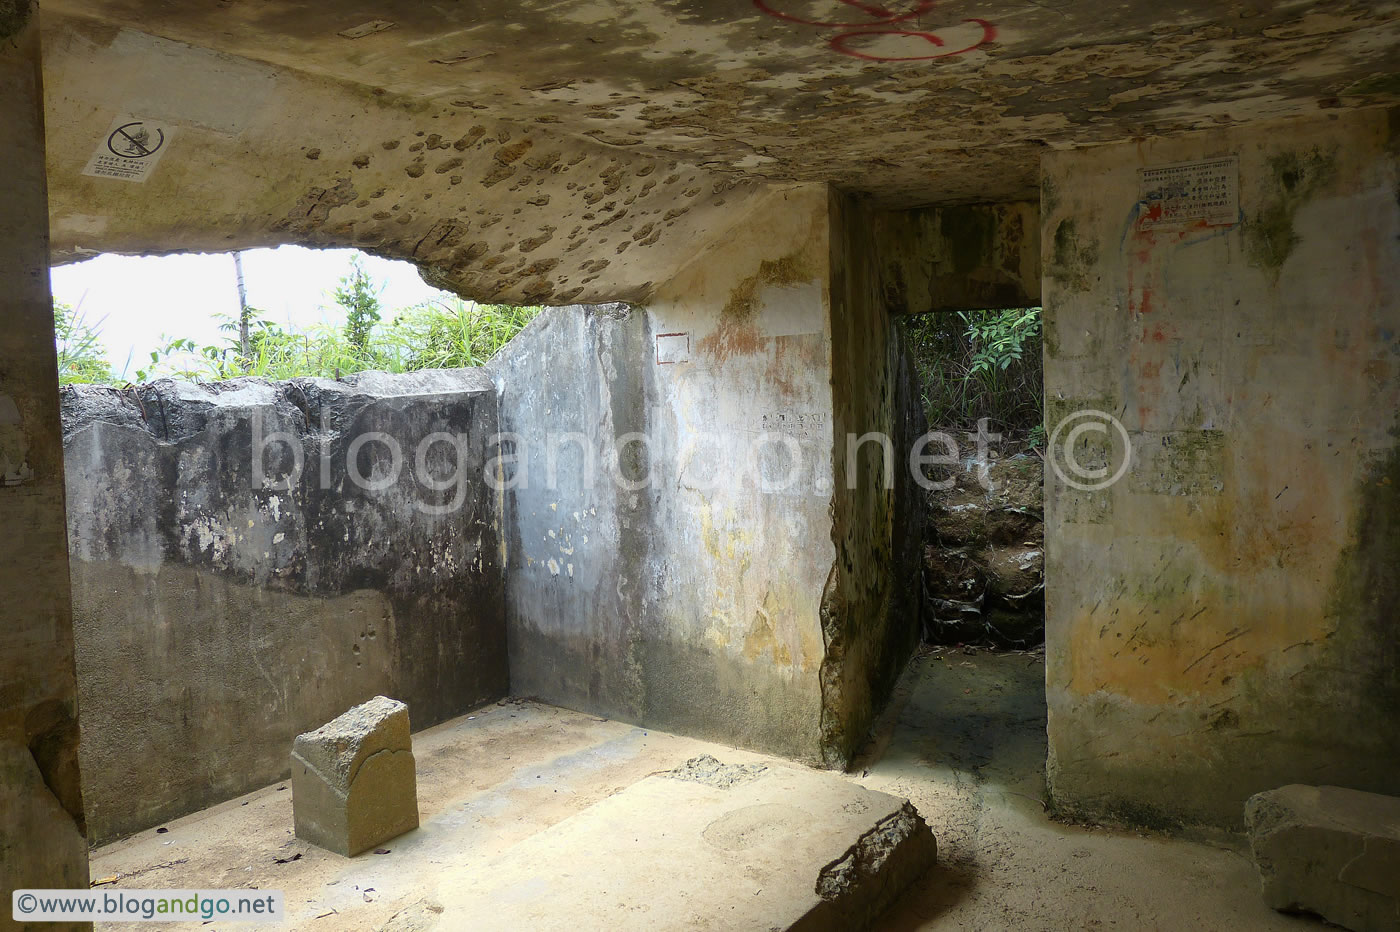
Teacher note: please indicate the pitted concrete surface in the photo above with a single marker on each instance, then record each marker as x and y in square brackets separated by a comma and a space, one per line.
[580, 151]
[912, 100]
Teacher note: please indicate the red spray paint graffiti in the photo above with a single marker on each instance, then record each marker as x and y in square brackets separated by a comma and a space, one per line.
[841, 43]
[848, 41]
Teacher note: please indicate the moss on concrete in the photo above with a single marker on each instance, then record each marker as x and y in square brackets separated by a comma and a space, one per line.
[1049, 196]
[1386, 84]
[1296, 178]
[1115, 811]
[1365, 596]
[1071, 260]
[969, 236]
[14, 15]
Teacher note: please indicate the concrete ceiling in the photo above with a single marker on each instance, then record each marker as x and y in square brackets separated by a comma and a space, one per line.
[911, 101]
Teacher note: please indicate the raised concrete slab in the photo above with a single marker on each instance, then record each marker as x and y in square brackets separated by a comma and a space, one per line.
[353, 779]
[1330, 851]
[710, 846]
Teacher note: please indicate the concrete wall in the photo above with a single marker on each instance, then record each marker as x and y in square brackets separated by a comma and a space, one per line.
[219, 613]
[691, 604]
[957, 258]
[1223, 619]
[41, 841]
[870, 608]
[700, 602]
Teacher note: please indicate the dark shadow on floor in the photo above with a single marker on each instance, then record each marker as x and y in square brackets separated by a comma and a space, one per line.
[964, 739]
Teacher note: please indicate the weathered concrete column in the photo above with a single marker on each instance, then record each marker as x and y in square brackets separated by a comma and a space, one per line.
[40, 797]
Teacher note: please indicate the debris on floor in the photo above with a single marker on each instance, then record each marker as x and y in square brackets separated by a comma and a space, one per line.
[1330, 851]
[354, 781]
[964, 741]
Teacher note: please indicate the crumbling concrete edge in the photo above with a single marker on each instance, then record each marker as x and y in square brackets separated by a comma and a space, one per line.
[857, 888]
[833, 751]
[708, 771]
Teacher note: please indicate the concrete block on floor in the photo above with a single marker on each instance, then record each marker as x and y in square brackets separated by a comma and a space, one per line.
[353, 779]
[1330, 851]
[708, 845]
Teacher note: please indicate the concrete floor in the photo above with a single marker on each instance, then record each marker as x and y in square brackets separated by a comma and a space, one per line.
[966, 744]
[964, 740]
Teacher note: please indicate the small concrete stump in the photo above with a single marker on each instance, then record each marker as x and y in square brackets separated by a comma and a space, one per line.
[353, 779]
[1330, 851]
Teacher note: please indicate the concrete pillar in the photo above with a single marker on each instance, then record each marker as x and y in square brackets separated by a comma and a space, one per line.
[41, 836]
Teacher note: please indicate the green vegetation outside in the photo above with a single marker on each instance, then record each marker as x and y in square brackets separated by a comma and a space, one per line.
[436, 335]
[976, 364]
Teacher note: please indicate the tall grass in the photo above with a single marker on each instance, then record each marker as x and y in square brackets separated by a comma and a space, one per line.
[452, 334]
[78, 345]
[444, 334]
[976, 364]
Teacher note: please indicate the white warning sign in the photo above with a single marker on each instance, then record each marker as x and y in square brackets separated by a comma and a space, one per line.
[1205, 192]
[130, 150]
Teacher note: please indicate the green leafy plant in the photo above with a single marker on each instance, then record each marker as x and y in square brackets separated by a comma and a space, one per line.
[452, 333]
[171, 358]
[975, 364]
[999, 339]
[360, 298]
[81, 355]
[1036, 438]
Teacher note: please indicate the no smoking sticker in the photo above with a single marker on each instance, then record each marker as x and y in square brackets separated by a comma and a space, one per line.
[130, 150]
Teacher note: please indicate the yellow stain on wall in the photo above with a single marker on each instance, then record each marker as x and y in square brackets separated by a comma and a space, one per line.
[763, 633]
[729, 543]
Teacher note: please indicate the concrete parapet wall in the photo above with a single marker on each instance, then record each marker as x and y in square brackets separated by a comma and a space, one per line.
[219, 612]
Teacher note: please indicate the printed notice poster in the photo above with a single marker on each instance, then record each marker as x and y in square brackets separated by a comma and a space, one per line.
[1191, 192]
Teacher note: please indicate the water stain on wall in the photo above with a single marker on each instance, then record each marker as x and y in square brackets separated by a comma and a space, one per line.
[1072, 260]
[1270, 236]
[14, 14]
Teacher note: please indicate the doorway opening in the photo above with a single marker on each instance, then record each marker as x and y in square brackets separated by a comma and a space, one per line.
[981, 376]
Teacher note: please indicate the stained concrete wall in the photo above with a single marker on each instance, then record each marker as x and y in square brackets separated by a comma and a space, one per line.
[700, 601]
[957, 258]
[218, 613]
[870, 607]
[690, 604]
[1223, 619]
[41, 841]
